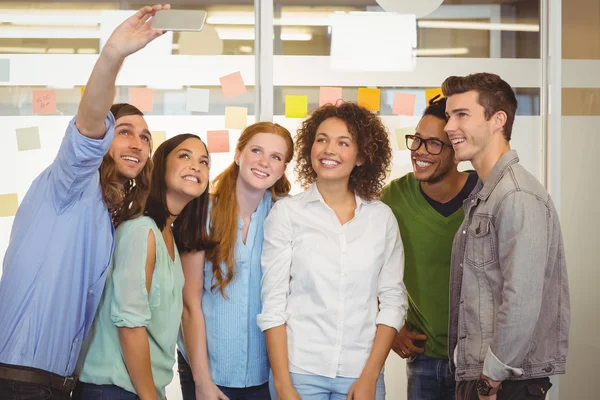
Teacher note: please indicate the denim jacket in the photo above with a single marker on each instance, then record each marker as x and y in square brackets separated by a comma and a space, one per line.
[509, 296]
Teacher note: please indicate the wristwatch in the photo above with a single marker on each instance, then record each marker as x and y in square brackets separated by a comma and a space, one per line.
[484, 388]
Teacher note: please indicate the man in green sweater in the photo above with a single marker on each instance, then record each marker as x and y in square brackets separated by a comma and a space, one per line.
[428, 206]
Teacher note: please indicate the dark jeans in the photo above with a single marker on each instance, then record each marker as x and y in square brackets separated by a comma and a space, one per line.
[188, 387]
[429, 378]
[89, 391]
[18, 390]
[530, 389]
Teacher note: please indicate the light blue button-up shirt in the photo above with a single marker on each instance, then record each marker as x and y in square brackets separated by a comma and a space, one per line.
[55, 266]
[237, 353]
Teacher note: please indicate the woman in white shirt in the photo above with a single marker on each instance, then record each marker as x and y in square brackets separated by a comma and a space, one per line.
[333, 297]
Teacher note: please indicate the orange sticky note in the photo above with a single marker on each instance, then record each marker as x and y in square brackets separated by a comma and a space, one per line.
[330, 95]
[218, 141]
[44, 102]
[404, 103]
[8, 204]
[296, 106]
[233, 85]
[369, 98]
[158, 137]
[141, 98]
[431, 93]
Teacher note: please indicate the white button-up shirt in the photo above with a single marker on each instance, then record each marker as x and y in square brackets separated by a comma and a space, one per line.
[331, 284]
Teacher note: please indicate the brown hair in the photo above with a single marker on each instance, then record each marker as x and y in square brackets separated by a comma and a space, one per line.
[127, 202]
[494, 95]
[224, 214]
[189, 229]
[371, 136]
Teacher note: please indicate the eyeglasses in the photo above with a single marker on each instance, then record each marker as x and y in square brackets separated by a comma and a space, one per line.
[432, 146]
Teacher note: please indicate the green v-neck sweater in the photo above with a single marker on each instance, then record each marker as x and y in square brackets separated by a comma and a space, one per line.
[427, 238]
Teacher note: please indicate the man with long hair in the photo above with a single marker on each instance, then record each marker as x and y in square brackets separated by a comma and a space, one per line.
[63, 234]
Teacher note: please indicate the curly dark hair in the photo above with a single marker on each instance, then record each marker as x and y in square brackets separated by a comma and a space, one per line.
[371, 136]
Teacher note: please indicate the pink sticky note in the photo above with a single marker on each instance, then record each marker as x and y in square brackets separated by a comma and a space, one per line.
[141, 98]
[218, 141]
[404, 103]
[44, 102]
[233, 85]
[330, 95]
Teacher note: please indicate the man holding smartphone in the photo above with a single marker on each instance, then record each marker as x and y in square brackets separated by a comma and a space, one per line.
[428, 206]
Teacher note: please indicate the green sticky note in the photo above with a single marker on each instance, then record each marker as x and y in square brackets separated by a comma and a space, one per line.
[296, 106]
[400, 136]
[28, 138]
[4, 70]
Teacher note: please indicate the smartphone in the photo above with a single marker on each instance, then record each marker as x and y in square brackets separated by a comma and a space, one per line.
[179, 20]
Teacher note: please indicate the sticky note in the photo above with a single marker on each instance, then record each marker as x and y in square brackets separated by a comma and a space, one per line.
[4, 70]
[404, 103]
[296, 106]
[236, 117]
[329, 95]
[233, 85]
[141, 98]
[8, 204]
[44, 102]
[82, 90]
[158, 137]
[218, 141]
[28, 138]
[431, 93]
[369, 98]
[197, 100]
[400, 136]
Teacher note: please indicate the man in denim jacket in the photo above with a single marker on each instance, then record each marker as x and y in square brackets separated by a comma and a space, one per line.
[509, 297]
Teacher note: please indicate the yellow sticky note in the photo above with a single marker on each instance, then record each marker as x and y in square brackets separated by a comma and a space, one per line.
[28, 138]
[236, 117]
[369, 98]
[82, 90]
[158, 137]
[431, 93]
[8, 204]
[296, 106]
[401, 136]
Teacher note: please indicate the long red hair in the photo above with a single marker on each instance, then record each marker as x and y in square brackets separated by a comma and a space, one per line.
[224, 214]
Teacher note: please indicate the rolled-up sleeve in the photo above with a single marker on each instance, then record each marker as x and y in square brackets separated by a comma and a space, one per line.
[522, 234]
[390, 288]
[130, 305]
[78, 159]
[276, 266]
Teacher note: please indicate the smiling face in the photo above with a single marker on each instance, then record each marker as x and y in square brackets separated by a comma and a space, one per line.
[428, 167]
[262, 161]
[334, 153]
[187, 170]
[130, 149]
[468, 129]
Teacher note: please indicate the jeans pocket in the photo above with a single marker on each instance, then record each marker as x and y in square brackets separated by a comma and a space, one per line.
[539, 388]
[30, 391]
[480, 246]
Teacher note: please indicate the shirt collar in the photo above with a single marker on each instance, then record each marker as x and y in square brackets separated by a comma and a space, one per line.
[313, 195]
[506, 161]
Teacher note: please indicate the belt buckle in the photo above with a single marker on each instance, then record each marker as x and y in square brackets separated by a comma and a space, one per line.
[68, 383]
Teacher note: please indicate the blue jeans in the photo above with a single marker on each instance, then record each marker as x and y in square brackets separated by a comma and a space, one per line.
[429, 378]
[188, 387]
[316, 387]
[89, 391]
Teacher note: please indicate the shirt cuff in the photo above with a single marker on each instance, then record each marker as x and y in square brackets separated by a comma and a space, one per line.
[495, 369]
[392, 317]
[272, 320]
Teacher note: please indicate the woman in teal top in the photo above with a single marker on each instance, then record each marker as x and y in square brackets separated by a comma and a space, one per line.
[223, 344]
[132, 344]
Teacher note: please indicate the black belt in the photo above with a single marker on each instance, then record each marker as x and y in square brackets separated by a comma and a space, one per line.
[37, 376]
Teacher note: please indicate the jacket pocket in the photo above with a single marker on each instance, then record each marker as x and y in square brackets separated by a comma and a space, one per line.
[480, 247]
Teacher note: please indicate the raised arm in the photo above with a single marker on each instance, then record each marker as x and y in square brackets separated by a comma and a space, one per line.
[194, 328]
[276, 264]
[132, 35]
